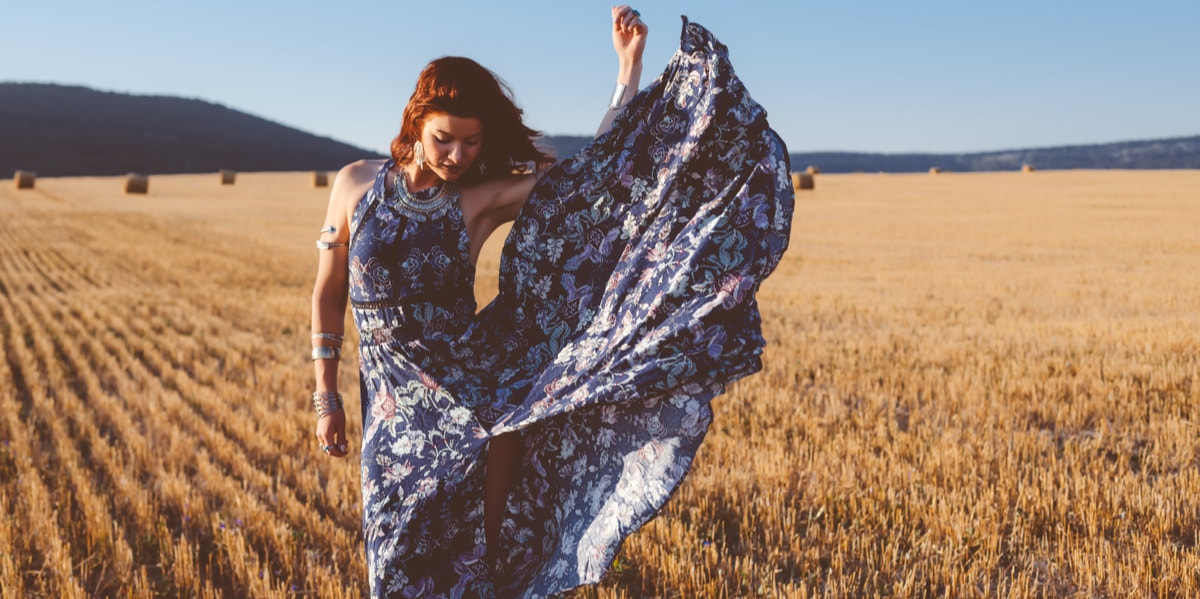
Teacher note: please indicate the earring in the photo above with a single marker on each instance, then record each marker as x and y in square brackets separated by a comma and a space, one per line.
[482, 168]
[419, 155]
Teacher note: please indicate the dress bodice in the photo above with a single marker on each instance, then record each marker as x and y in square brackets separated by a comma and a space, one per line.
[412, 261]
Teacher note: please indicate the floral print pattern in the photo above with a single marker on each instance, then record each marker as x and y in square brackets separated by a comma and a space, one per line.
[626, 305]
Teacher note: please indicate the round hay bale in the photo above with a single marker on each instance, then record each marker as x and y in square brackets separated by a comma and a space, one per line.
[1027, 168]
[320, 179]
[136, 183]
[802, 181]
[935, 170]
[24, 179]
[227, 176]
[812, 170]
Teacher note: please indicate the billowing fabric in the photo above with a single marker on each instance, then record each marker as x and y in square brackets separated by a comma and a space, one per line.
[626, 304]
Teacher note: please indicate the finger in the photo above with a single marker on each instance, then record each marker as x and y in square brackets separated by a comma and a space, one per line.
[633, 21]
[622, 15]
[334, 443]
[327, 445]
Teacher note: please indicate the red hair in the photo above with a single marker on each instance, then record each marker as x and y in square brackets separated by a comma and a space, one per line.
[463, 88]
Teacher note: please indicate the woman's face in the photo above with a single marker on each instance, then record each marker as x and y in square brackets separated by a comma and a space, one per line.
[452, 144]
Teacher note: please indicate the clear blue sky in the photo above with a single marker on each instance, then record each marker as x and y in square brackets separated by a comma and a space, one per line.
[944, 76]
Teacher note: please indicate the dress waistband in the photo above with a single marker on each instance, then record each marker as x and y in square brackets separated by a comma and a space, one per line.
[387, 303]
[441, 297]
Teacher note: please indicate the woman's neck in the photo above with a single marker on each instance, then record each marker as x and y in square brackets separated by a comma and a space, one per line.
[419, 179]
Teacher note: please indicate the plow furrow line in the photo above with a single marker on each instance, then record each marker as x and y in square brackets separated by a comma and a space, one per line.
[44, 239]
[214, 396]
[33, 454]
[101, 542]
[35, 273]
[50, 277]
[185, 477]
[125, 460]
[52, 320]
[189, 493]
[219, 459]
[225, 403]
[82, 266]
[14, 553]
[212, 477]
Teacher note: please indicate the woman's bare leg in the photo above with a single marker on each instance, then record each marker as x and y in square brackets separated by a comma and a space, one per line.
[503, 463]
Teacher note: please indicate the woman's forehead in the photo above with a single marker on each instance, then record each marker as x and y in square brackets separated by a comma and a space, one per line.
[454, 125]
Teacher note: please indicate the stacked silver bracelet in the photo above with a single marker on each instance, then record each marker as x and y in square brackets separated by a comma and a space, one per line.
[326, 402]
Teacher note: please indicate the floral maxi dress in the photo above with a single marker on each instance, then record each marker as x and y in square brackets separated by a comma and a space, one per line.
[626, 304]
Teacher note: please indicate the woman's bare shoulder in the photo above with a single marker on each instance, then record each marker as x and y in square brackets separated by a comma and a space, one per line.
[354, 179]
[358, 172]
[349, 186]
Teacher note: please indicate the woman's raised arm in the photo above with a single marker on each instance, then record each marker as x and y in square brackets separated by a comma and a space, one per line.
[629, 40]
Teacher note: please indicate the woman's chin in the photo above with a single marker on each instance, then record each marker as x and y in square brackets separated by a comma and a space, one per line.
[450, 174]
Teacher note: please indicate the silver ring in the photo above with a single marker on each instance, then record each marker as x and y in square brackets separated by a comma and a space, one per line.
[326, 448]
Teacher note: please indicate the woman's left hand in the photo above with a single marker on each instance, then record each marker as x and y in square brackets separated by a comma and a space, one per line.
[629, 35]
[629, 40]
[331, 434]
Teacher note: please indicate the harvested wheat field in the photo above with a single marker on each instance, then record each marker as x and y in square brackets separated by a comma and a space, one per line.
[977, 385]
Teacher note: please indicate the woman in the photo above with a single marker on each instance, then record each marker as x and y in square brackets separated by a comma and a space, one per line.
[449, 184]
[626, 303]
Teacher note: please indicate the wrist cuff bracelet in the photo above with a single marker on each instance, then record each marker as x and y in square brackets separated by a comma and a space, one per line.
[324, 352]
[618, 95]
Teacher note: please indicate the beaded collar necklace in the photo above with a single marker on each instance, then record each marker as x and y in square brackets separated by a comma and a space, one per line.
[411, 203]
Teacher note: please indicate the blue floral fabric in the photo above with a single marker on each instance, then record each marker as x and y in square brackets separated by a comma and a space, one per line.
[412, 292]
[626, 304]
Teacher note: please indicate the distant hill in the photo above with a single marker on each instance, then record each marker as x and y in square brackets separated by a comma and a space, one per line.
[59, 130]
[1175, 153]
[64, 130]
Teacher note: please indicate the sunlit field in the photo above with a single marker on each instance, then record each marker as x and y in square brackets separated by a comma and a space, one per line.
[976, 385]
